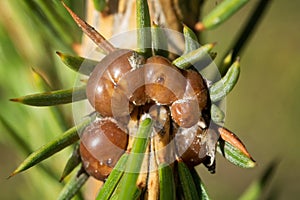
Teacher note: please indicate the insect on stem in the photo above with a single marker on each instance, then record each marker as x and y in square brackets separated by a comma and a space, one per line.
[94, 35]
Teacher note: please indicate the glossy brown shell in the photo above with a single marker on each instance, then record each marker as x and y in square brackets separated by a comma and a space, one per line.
[102, 144]
[133, 85]
[185, 112]
[197, 88]
[164, 82]
[104, 80]
[189, 145]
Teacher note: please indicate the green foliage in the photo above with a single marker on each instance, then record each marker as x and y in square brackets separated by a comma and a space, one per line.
[166, 182]
[52, 147]
[235, 156]
[191, 42]
[77, 63]
[159, 42]
[25, 35]
[187, 183]
[127, 187]
[143, 24]
[221, 13]
[187, 60]
[73, 161]
[54, 97]
[113, 179]
[220, 89]
[73, 186]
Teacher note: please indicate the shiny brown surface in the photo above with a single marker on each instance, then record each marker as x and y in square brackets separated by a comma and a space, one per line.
[103, 80]
[185, 112]
[164, 82]
[92, 165]
[102, 144]
[189, 146]
[133, 85]
[196, 87]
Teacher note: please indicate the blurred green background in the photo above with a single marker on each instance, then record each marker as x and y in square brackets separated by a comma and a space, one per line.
[262, 109]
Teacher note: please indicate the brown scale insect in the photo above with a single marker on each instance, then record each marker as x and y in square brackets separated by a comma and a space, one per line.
[104, 79]
[102, 144]
[196, 145]
[163, 81]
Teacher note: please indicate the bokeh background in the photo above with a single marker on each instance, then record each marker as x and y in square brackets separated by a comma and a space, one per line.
[263, 109]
